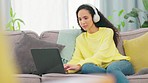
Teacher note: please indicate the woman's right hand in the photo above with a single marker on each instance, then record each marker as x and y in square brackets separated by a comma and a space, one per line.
[71, 67]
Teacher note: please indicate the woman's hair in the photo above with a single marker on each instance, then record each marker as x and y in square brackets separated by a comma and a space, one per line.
[102, 23]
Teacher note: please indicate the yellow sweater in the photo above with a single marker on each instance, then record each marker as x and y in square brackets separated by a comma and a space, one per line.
[98, 48]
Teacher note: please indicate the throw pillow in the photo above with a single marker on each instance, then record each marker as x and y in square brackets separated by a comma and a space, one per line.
[67, 38]
[23, 52]
[137, 49]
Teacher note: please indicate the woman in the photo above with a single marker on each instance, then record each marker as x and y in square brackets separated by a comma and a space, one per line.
[95, 50]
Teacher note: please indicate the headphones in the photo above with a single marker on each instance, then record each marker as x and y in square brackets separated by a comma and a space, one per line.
[96, 17]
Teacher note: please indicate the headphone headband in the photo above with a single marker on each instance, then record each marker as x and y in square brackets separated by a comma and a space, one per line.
[96, 17]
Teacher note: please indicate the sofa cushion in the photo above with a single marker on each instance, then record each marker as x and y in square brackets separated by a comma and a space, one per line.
[28, 78]
[142, 71]
[23, 53]
[67, 38]
[137, 49]
[138, 78]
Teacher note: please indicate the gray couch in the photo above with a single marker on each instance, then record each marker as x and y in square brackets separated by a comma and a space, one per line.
[51, 36]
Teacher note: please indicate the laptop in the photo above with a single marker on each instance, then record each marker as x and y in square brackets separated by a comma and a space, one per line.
[47, 61]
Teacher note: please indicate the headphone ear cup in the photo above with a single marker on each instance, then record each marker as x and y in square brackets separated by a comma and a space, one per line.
[96, 18]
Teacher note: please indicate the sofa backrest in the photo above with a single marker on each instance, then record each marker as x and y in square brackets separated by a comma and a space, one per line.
[14, 36]
[52, 36]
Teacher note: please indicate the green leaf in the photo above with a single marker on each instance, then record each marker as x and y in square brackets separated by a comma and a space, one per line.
[134, 14]
[20, 20]
[123, 23]
[118, 26]
[126, 16]
[11, 12]
[131, 21]
[136, 10]
[12, 28]
[145, 3]
[18, 25]
[131, 14]
[14, 15]
[8, 24]
[145, 24]
[110, 18]
[120, 12]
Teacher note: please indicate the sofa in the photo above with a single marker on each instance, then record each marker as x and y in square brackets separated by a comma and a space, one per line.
[52, 36]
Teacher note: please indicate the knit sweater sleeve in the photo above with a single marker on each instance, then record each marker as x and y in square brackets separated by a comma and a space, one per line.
[77, 56]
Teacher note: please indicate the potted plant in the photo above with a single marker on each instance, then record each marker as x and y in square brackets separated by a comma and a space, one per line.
[14, 23]
[135, 14]
[120, 24]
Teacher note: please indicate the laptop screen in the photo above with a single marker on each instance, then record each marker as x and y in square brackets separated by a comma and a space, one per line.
[47, 60]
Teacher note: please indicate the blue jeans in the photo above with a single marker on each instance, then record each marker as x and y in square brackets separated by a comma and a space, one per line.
[117, 68]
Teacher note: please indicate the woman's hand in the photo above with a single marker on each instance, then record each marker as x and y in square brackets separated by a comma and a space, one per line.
[72, 67]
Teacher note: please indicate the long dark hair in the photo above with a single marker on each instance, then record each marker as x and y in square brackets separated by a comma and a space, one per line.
[102, 23]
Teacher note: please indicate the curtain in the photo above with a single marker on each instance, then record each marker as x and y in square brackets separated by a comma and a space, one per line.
[108, 8]
[41, 15]
[4, 12]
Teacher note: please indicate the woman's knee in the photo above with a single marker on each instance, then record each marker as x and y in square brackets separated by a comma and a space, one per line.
[87, 66]
[114, 66]
[110, 69]
[123, 66]
[92, 68]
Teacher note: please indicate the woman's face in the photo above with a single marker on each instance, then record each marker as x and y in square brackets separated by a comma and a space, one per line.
[85, 20]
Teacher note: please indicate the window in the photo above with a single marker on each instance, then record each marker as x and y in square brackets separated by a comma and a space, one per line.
[42, 15]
